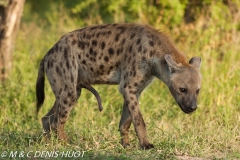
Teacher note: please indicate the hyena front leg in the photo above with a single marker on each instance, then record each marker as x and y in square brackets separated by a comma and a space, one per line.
[131, 112]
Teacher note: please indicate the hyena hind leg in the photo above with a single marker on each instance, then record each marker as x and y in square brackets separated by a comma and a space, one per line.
[56, 118]
[124, 126]
[47, 121]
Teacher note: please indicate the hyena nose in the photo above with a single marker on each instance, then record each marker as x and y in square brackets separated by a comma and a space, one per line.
[192, 108]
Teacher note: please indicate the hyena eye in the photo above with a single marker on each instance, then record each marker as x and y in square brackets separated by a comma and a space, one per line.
[183, 90]
[198, 91]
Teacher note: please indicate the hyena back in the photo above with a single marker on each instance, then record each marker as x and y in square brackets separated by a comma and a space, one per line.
[130, 55]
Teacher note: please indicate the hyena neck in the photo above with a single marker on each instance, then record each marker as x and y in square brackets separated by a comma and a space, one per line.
[161, 70]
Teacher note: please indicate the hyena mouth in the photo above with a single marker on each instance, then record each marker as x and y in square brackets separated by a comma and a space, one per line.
[186, 110]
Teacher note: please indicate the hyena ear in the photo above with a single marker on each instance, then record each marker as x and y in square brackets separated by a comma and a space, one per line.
[173, 66]
[196, 62]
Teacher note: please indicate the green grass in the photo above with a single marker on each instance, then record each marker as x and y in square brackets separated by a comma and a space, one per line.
[213, 131]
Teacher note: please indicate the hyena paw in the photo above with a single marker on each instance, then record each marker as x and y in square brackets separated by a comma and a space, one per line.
[147, 146]
[125, 145]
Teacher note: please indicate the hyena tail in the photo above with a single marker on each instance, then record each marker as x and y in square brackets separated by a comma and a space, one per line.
[91, 89]
[40, 86]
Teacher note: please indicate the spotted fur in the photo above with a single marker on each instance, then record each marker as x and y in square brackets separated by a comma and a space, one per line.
[130, 55]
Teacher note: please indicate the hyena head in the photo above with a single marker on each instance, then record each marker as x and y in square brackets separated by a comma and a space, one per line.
[185, 82]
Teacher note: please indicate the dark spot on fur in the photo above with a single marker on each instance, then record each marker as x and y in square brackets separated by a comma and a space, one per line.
[127, 102]
[144, 59]
[67, 64]
[51, 51]
[125, 75]
[123, 41]
[152, 53]
[106, 58]
[133, 107]
[48, 64]
[130, 49]
[70, 94]
[135, 84]
[63, 115]
[84, 35]
[138, 41]
[125, 85]
[109, 32]
[51, 64]
[91, 69]
[91, 50]
[103, 45]
[65, 53]
[79, 56]
[95, 27]
[132, 36]
[110, 51]
[151, 43]
[74, 42]
[81, 45]
[56, 48]
[134, 54]
[117, 64]
[145, 51]
[92, 59]
[72, 79]
[101, 67]
[102, 27]
[89, 36]
[58, 71]
[134, 73]
[65, 101]
[118, 51]
[98, 34]
[140, 48]
[117, 37]
[122, 28]
[94, 43]
[133, 67]
[83, 61]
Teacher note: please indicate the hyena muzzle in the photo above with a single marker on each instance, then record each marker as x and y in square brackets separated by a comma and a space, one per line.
[130, 55]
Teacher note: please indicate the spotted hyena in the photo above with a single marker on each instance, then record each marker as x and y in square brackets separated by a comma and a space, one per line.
[130, 55]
